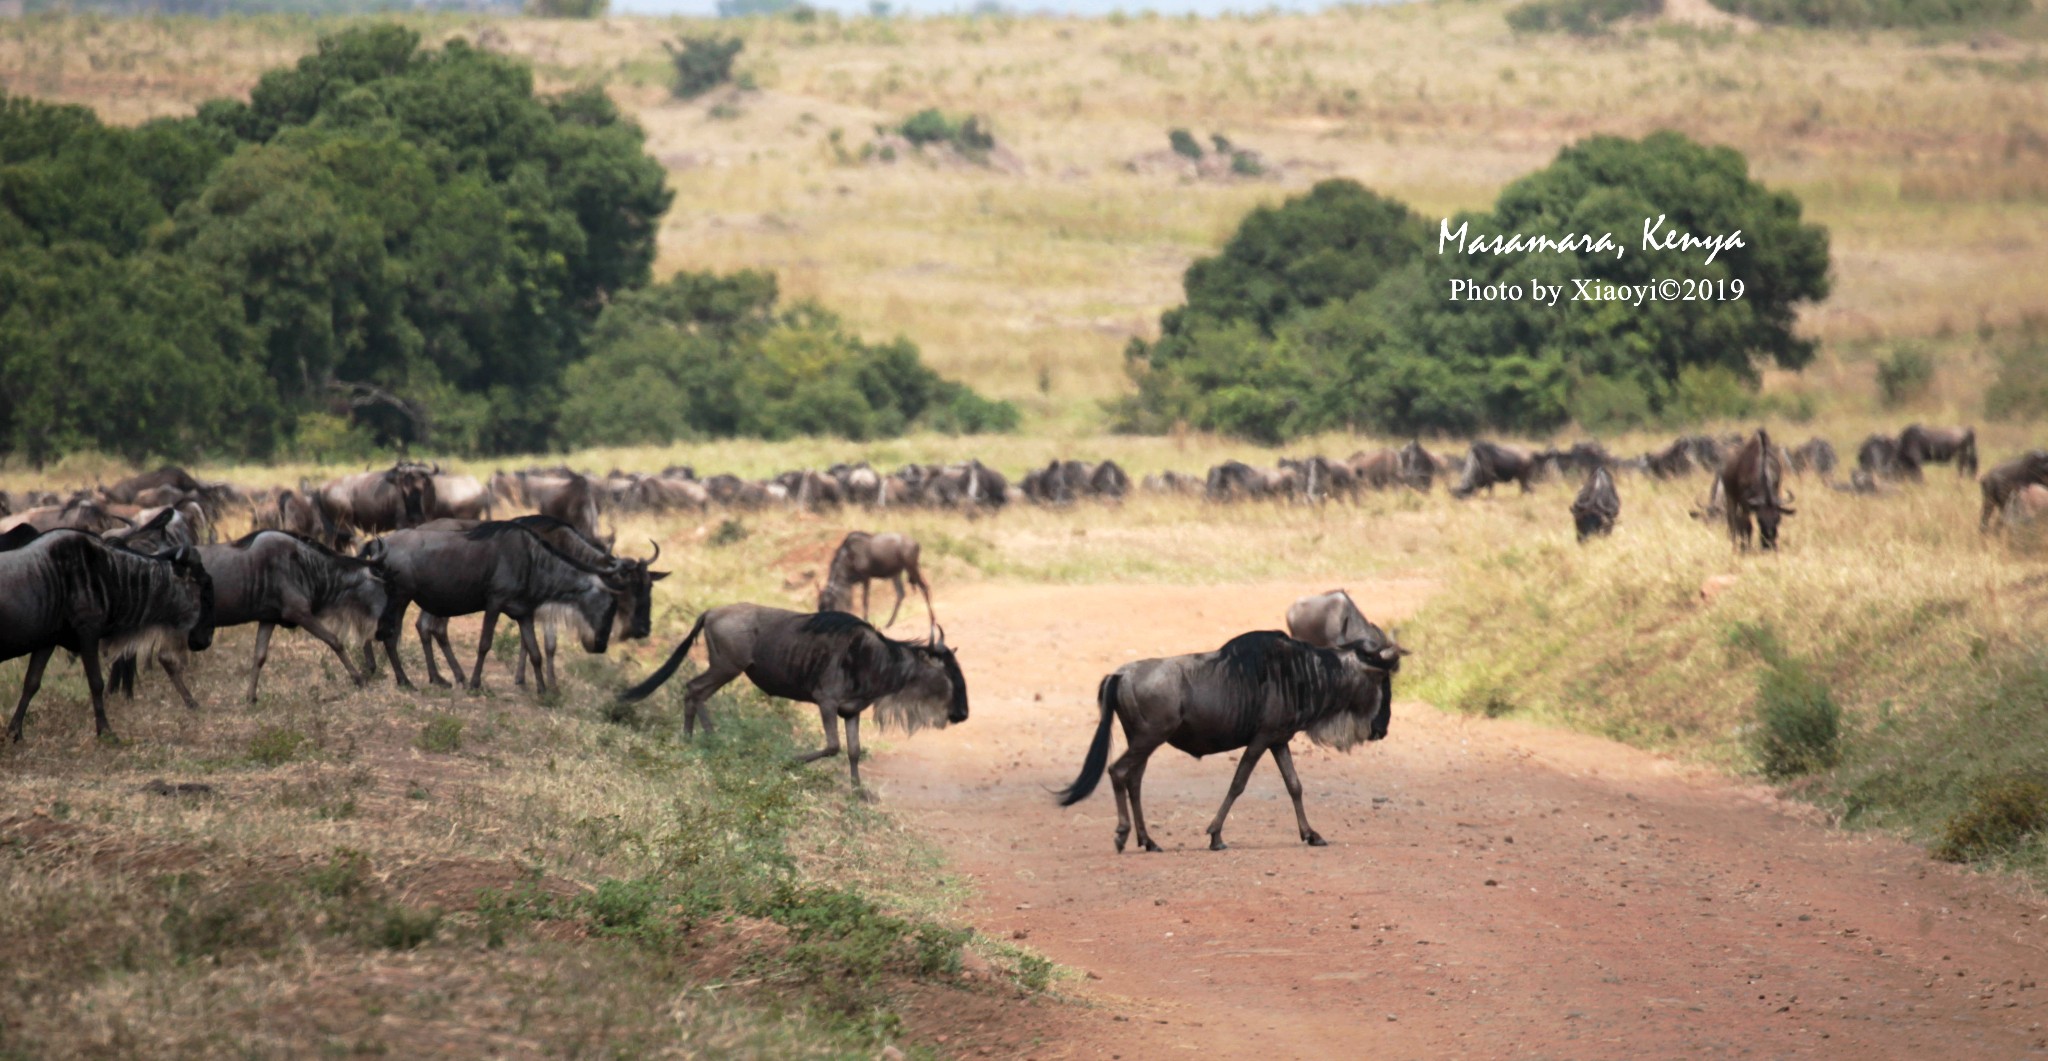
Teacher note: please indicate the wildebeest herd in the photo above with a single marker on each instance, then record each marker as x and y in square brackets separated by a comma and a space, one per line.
[132, 573]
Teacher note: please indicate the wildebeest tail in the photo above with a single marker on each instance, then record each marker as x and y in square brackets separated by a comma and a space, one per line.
[668, 669]
[1098, 751]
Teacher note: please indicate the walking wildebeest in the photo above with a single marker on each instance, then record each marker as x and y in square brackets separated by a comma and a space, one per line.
[1255, 693]
[2001, 483]
[862, 556]
[631, 622]
[495, 568]
[1879, 455]
[1750, 484]
[1597, 506]
[1583, 456]
[830, 659]
[273, 578]
[72, 590]
[1491, 463]
[1327, 620]
[1938, 445]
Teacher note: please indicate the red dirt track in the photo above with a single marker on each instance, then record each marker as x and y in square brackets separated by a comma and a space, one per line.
[1491, 888]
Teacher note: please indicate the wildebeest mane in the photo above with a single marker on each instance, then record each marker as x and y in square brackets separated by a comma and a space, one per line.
[830, 622]
[490, 529]
[1303, 675]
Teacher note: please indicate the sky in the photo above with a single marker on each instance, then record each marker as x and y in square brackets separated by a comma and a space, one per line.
[935, 7]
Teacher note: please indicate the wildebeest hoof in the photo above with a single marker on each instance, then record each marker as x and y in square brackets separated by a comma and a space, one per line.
[1315, 839]
[1216, 844]
[865, 795]
[438, 683]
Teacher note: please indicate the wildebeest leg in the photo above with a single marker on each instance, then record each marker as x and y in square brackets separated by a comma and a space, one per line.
[853, 754]
[483, 650]
[89, 655]
[917, 579]
[1127, 779]
[830, 717]
[897, 581]
[1244, 773]
[700, 689]
[30, 682]
[552, 632]
[263, 631]
[531, 647]
[424, 627]
[1284, 756]
[121, 676]
[169, 662]
[326, 637]
[369, 660]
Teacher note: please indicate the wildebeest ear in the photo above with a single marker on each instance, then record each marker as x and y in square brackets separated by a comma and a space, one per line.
[656, 576]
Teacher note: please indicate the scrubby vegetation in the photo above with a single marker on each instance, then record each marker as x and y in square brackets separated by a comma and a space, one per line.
[1875, 13]
[701, 63]
[1584, 18]
[967, 135]
[1343, 308]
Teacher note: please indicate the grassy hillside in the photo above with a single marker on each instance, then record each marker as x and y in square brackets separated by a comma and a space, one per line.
[1923, 153]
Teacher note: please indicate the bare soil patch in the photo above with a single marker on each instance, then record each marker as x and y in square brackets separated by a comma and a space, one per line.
[1492, 888]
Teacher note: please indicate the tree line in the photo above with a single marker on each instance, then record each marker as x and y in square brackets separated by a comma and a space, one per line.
[392, 245]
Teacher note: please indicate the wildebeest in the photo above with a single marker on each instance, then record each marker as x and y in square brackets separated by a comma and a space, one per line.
[1255, 693]
[1920, 445]
[1597, 506]
[374, 502]
[1816, 454]
[571, 498]
[631, 622]
[459, 497]
[1491, 463]
[1879, 455]
[80, 513]
[72, 590]
[497, 569]
[2001, 483]
[2028, 506]
[293, 513]
[1670, 462]
[862, 556]
[830, 659]
[1583, 456]
[1319, 477]
[1172, 482]
[272, 578]
[1750, 482]
[1327, 620]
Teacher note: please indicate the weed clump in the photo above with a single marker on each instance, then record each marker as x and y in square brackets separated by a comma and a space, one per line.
[701, 63]
[729, 532]
[442, 735]
[968, 136]
[276, 745]
[1999, 818]
[1799, 725]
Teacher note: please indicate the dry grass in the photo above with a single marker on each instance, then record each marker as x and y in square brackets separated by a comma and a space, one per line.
[1920, 152]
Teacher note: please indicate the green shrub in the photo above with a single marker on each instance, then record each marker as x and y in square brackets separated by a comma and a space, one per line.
[1904, 376]
[2020, 391]
[276, 745]
[1246, 164]
[442, 735]
[1798, 725]
[1998, 819]
[406, 929]
[567, 8]
[1185, 144]
[701, 63]
[730, 532]
[1874, 13]
[931, 126]
[1584, 18]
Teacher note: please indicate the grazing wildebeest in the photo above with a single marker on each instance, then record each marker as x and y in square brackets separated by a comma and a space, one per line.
[1378, 469]
[1920, 445]
[1817, 454]
[459, 497]
[571, 498]
[632, 621]
[1172, 482]
[1255, 693]
[1670, 462]
[1712, 507]
[1597, 506]
[1108, 480]
[72, 590]
[2028, 506]
[859, 483]
[2001, 483]
[374, 502]
[1232, 480]
[1327, 620]
[862, 556]
[1750, 484]
[1491, 463]
[1058, 483]
[1319, 477]
[1879, 455]
[830, 659]
[80, 513]
[497, 569]
[809, 490]
[972, 484]
[1860, 482]
[1583, 456]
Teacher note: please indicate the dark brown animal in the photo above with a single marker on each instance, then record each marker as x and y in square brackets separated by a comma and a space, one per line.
[1597, 506]
[1920, 446]
[862, 556]
[1752, 483]
[1491, 463]
[2002, 483]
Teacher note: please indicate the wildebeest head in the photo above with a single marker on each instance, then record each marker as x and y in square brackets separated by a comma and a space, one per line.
[637, 606]
[415, 486]
[195, 588]
[1357, 721]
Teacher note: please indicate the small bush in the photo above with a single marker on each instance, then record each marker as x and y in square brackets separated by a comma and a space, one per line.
[729, 532]
[1999, 818]
[442, 735]
[1584, 18]
[931, 126]
[1798, 723]
[276, 745]
[1904, 376]
[1246, 164]
[1185, 144]
[2020, 392]
[701, 63]
[625, 908]
[344, 876]
[1873, 13]
[404, 929]
[567, 8]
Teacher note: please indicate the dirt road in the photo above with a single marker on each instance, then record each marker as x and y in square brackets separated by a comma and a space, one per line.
[1491, 889]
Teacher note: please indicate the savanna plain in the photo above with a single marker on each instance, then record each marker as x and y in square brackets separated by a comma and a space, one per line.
[1573, 843]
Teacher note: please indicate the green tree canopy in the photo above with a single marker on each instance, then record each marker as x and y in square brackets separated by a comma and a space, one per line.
[1333, 310]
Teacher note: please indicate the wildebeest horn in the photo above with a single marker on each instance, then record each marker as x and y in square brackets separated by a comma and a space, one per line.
[657, 552]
